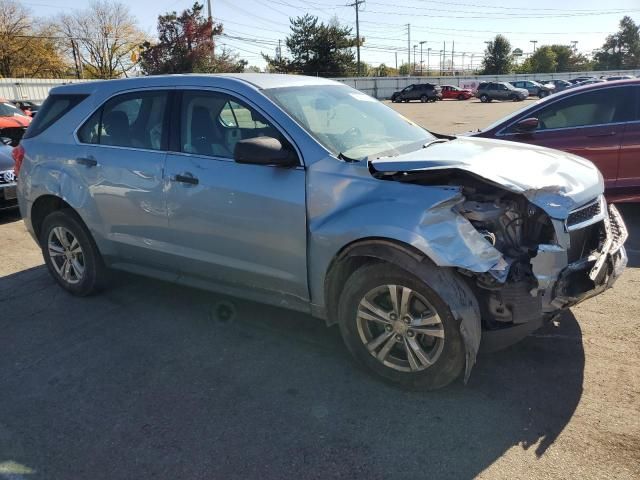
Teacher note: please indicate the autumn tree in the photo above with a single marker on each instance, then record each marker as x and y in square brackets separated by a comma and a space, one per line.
[103, 38]
[497, 57]
[27, 47]
[185, 45]
[316, 48]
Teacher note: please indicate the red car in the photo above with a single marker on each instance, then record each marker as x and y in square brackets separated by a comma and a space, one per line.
[600, 122]
[451, 91]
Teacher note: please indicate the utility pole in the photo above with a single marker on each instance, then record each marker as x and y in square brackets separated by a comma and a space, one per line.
[279, 51]
[421, 64]
[409, 45]
[357, 4]
[534, 44]
[396, 60]
[453, 45]
[444, 57]
[428, 57]
[414, 58]
[210, 18]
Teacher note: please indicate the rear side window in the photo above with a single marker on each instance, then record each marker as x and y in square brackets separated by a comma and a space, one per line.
[52, 110]
[136, 120]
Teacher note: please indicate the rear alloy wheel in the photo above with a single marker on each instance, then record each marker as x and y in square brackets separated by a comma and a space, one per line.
[400, 328]
[514, 98]
[71, 255]
[424, 99]
[460, 97]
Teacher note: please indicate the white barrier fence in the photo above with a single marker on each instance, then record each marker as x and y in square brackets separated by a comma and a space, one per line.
[378, 87]
[383, 87]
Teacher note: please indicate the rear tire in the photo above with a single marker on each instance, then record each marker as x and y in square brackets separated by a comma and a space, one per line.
[514, 98]
[71, 255]
[424, 99]
[460, 97]
[396, 350]
[484, 98]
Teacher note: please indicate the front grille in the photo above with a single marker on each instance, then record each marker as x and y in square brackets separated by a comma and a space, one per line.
[585, 240]
[7, 177]
[584, 214]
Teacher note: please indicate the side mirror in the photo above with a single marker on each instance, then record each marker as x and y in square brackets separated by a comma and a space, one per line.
[527, 125]
[264, 151]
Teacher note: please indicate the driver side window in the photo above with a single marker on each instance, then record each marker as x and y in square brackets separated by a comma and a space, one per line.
[213, 123]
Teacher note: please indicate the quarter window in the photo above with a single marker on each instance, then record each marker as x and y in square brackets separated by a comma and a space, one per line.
[611, 105]
[135, 120]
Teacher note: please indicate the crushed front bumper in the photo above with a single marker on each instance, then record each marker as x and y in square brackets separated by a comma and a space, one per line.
[563, 284]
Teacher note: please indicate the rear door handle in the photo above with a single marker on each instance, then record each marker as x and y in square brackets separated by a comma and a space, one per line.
[87, 161]
[186, 178]
[604, 134]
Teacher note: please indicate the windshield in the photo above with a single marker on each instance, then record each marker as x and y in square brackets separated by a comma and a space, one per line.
[8, 110]
[348, 122]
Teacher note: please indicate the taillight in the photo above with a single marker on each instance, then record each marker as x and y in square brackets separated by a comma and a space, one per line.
[18, 155]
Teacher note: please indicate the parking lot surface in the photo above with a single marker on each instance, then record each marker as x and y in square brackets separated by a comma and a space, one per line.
[144, 381]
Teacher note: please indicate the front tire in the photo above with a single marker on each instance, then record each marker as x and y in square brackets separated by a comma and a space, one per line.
[400, 328]
[424, 99]
[485, 98]
[460, 97]
[542, 94]
[71, 255]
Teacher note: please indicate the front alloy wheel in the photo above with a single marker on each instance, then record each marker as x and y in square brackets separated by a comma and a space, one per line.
[400, 328]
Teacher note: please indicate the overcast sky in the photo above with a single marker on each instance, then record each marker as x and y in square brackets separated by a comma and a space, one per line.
[257, 25]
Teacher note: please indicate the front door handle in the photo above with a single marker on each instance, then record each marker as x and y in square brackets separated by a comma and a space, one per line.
[186, 178]
[87, 161]
[604, 134]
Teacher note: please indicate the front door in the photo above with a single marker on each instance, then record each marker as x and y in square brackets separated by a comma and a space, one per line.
[629, 172]
[236, 224]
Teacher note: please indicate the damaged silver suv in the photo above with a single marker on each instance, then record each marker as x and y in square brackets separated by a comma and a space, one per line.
[304, 193]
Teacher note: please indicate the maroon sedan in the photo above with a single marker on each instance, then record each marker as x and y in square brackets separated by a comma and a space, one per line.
[600, 122]
[451, 91]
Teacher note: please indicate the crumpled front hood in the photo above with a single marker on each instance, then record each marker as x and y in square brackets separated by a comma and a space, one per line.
[555, 181]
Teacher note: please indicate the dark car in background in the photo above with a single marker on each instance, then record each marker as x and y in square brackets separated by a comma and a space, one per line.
[29, 107]
[488, 91]
[7, 178]
[425, 92]
[600, 122]
[581, 79]
[457, 93]
[618, 77]
[560, 85]
[535, 89]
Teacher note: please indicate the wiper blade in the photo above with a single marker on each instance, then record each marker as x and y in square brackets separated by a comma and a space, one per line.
[437, 140]
[342, 156]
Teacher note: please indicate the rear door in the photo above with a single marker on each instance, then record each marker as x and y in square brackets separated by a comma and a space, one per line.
[124, 157]
[589, 124]
[233, 224]
[629, 170]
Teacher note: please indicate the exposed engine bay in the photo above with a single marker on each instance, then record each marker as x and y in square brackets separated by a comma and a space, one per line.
[547, 263]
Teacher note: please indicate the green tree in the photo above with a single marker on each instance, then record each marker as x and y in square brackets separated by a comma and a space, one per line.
[316, 48]
[383, 70]
[185, 45]
[544, 60]
[622, 49]
[497, 57]
[405, 69]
